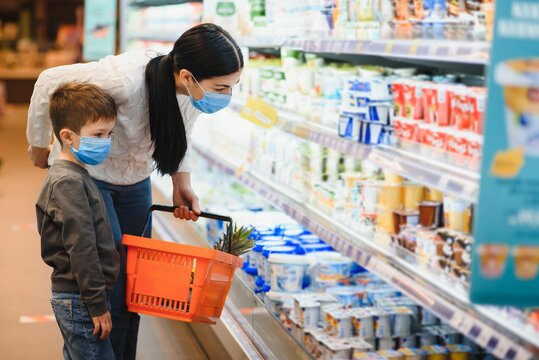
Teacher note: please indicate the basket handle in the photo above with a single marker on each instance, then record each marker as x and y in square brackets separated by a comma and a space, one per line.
[208, 215]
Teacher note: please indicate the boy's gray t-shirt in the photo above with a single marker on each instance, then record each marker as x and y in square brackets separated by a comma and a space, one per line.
[76, 235]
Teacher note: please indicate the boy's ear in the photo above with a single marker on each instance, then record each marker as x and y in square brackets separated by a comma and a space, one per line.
[66, 136]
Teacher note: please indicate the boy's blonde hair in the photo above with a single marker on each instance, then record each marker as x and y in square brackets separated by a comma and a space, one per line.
[73, 105]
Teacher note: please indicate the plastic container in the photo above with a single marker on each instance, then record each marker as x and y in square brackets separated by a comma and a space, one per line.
[267, 250]
[256, 259]
[348, 296]
[287, 272]
[330, 271]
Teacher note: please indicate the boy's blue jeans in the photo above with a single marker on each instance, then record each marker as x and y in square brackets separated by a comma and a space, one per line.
[77, 329]
[127, 206]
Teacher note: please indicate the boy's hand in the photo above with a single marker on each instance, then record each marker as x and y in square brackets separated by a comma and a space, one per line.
[102, 323]
[39, 156]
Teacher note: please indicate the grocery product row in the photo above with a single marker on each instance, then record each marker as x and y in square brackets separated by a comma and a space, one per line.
[356, 19]
[429, 127]
[399, 237]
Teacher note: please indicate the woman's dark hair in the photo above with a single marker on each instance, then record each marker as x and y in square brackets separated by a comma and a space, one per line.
[207, 51]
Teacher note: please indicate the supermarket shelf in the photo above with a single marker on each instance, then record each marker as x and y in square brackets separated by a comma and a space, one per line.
[147, 3]
[444, 177]
[462, 52]
[429, 289]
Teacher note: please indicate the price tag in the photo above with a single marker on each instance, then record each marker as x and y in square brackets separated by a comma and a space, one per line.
[389, 48]
[413, 48]
[259, 112]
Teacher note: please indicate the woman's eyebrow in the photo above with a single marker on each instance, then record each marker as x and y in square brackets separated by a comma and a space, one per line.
[227, 86]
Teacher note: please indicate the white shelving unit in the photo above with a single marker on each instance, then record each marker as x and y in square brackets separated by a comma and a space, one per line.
[448, 300]
[465, 52]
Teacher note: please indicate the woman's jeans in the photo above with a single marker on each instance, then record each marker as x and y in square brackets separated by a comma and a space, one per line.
[128, 207]
[77, 329]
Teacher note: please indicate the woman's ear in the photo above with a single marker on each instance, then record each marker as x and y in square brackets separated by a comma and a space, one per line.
[66, 136]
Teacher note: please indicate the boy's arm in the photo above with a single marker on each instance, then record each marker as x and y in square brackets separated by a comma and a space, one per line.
[69, 207]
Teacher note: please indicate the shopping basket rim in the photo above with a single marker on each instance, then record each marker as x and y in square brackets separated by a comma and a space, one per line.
[181, 249]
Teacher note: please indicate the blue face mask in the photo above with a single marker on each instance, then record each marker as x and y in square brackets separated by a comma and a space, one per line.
[210, 102]
[92, 151]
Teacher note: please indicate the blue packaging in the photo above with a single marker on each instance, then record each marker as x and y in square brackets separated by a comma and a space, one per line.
[309, 248]
[290, 250]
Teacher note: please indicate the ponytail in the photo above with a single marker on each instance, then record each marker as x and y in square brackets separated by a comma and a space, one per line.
[206, 51]
[166, 122]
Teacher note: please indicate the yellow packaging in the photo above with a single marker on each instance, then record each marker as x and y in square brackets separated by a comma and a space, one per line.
[413, 195]
[390, 197]
[392, 178]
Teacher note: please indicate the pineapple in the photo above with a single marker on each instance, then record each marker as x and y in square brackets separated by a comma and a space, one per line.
[235, 242]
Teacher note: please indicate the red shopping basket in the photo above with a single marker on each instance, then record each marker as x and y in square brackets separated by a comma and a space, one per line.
[176, 281]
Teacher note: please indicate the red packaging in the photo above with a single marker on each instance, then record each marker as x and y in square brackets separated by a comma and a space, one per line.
[430, 103]
[409, 130]
[445, 99]
[397, 128]
[461, 113]
[478, 97]
[433, 136]
[457, 143]
[413, 108]
[475, 146]
[398, 98]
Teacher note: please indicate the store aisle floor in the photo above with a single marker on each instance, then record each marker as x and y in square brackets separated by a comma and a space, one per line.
[27, 327]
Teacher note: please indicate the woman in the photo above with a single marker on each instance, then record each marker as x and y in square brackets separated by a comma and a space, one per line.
[158, 100]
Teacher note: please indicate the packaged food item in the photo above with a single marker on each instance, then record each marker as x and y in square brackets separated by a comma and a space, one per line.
[430, 102]
[348, 296]
[518, 78]
[336, 349]
[257, 259]
[459, 352]
[412, 354]
[360, 346]
[287, 272]
[401, 320]
[349, 126]
[478, 98]
[413, 195]
[382, 324]
[330, 271]
[430, 214]
[428, 318]
[461, 112]
[391, 354]
[339, 323]
[386, 343]
[368, 356]
[363, 322]
[266, 251]
[407, 130]
[526, 262]
[402, 218]
[397, 91]
[324, 312]
[436, 352]
[455, 8]
[457, 144]
[308, 314]
[413, 106]
[404, 9]
[445, 102]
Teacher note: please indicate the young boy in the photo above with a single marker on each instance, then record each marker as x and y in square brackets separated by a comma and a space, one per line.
[76, 235]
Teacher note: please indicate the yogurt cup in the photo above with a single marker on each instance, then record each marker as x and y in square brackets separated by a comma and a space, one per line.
[308, 315]
[386, 343]
[267, 250]
[401, 321]
[331, 271]
[287, 272]
[526, 262]
[459, 352]
[410, 353]
[309, 239]
[520, 81]
[310, 248]
[339, 323]
[257, 259]
[492, 258]
[391, 354]
[382, 324]
[348, 296]
[363, 323]
[336, 349]
[367, 356]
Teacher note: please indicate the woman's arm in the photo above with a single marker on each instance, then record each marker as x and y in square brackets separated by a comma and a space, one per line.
[184, 197]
